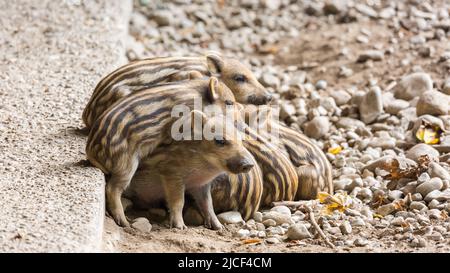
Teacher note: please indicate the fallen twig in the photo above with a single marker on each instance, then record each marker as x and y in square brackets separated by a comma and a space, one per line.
[317, 227]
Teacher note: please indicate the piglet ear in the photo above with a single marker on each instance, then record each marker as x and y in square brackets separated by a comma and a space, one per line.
[213, 91]
[193, 75]
[215, 63]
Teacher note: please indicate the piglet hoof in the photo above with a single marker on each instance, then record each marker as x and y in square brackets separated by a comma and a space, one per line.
[177, 224]
[213, 224]
[121, 221]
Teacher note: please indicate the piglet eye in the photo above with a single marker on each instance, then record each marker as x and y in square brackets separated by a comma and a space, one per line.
[229, 102]
[240, 78]
[220, 142]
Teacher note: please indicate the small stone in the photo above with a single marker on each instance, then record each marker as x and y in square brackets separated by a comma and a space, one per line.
[358, 222]
[352, 212]
[436, 170]
[258, 216]
[413, 85]
[279, 218]
[433, 103]
[386, 209]
[271, 4]
[230, 217]
[260, 227]
[321, 85]
[429, 186]
[433, 204]
[361, 242]
[395, 106]
[424, 177]
[435, 194]
[435, 236]
[349, 123]
[363, 39]
[374, 55]
[446, 87]
[365, 194]
[345, 228]
[269, 80]
[341, 97]
[371, 105]
[298, 232]
[242, 233]
[366, 10]
[317, 127]
[422, 149]
[417, 205]
[387, 13]
[142, 224]
[276, 230]
[262, 234]
[341, 183]
[444, 196]
[416, 197]
[282, 209]
[138, 22]
[382, 142]
[300, 214]
[434, 214]
[398, 221]
[395, 195]
[417, 39]
[345, 72]
[367, 212]
[272, 240]
[409, 188]
[418, 242]
[355, 183]
[422, 219]
[287, 110]
[253, 233]
[269, 223]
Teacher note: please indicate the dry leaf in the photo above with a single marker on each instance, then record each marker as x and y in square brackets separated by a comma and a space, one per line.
[428, 129]
[339, 202]
[396, 173]
[293, 243]
[379, 200]
[335, 150]
[429, 134]
[251, 241]
[376, 215]
[391, 207]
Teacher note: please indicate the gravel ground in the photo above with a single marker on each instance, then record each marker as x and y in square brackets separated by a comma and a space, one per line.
[361, 78]
[52, 55]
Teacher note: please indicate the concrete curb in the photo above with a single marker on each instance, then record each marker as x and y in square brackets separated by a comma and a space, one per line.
[53, 54]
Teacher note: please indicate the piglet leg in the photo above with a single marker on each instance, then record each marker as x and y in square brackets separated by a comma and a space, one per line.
[174, 191]
[202, 197]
